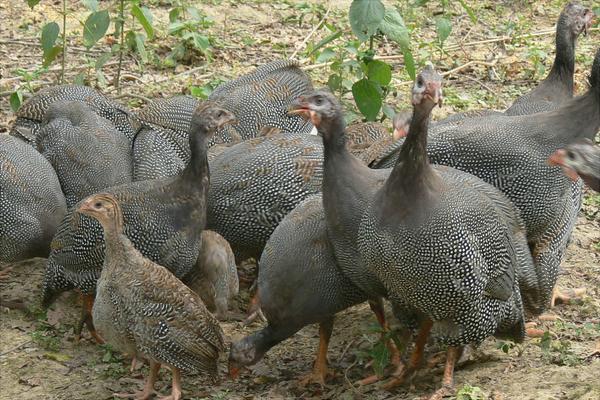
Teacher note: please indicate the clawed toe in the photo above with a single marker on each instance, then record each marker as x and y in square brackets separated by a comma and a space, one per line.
[441, 393]
[567, 296]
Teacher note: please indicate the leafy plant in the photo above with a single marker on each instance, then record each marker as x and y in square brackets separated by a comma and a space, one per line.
[557, 351]
[468, 392]
[186, 23]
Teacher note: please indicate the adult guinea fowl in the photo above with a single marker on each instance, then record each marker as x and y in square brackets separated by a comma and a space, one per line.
[299, 284]
[580, 159]
[31, 201]
[511, 153]
[260, 99]
[143, 309]
[448, 247]
[557, 87]
[86, 151]
[163, 218]
[214, 278]
[32, 112]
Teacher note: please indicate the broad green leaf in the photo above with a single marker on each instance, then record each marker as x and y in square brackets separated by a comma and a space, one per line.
[174, 14]
[176, 27]
[201, 92]
[326, 41]
[388, 111]
[51, 55]
[379, 72]
[326, 55]
[367, 97]
[381, 357]
[100, 61]
[91, 5]
[95, 27]
[409, 63]
[469, 10]
[140, 47]
[16, 98]
[32, 3]
[200, 42]
[194, 13]
[365, 17]
[443, 29]
[393, 27]
[79, 79]
[334, 82]
[49, 35]
[143, 15]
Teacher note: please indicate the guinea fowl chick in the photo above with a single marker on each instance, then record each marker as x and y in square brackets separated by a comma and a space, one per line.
[31, 201]
[143, 309]
[31, 114]
[580, 159]
[86, 151]
[215, 277]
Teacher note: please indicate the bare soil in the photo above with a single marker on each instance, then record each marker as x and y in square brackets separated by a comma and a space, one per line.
[38, 356]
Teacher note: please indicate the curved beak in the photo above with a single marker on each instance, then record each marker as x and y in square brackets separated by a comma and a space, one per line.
[434, 92]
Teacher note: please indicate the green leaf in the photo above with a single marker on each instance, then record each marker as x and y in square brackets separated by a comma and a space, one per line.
[140, 47]
[334, 82]
[91, 5]
[16, 98]
[200, 42]
[443, 28]
[79, 79]
[325, 41]
[100, 61]
[176, 27]
[409, 64]
[379, 72]
[49, 35]
[51, 55]
[365, 17]
[469, 11]
[393, 27]
[326, 55]
[388, 111]
[95, 27]
[143, 15]
[367, 97]
[32, 3]
[381, 357]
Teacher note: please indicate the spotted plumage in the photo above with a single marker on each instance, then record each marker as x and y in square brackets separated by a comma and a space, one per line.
[511, 154]
[143, 309]
[86, 151]
[163, 218]
[32, 112]
[31, 201]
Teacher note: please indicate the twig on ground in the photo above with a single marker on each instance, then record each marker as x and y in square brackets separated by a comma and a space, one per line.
[312, 32]
[15, 348]
[350, 343]
[483, 85]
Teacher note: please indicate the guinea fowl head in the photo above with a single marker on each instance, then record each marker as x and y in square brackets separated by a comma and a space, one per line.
[105, 208]
[579, 158]
[427, 89]
[576, 19]
[209, 116]
[321, 108]
[242, 353]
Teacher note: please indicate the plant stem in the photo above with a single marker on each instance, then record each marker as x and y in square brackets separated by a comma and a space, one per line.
[64, 41]
[121, 43]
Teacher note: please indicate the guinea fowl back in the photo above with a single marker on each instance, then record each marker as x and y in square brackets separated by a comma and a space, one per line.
[32, 112]
[163, 218]
[86, 151]
[260, 99]
[31, 201]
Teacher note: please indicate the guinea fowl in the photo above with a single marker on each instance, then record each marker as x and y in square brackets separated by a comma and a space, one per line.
[215, 277]
[511, 153]
[260, 99]
[143, 309]
[163, 218]
[448, 247]
[31, 201]
[557, 87]
[32, 112]
[299, 284]
[86, 151]
[580, 159]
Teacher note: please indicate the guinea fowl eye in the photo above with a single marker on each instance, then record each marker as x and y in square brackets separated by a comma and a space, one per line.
[319, 101]
[420, 81]
[570, 154]
[98, 205]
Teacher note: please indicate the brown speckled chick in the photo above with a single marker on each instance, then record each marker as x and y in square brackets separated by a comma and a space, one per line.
[143, 309]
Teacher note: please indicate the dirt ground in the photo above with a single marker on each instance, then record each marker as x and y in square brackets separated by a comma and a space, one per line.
[38, 357]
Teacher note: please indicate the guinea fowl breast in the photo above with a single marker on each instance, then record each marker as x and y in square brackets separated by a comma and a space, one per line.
[86, 151]
[31, 201]
[143, 309]
[31, 114]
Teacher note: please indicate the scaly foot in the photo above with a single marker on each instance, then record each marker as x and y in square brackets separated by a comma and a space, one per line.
[316, 376]
[567, 296]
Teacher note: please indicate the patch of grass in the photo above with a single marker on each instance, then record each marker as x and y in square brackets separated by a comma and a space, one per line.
[468, 392]
[46, 339]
